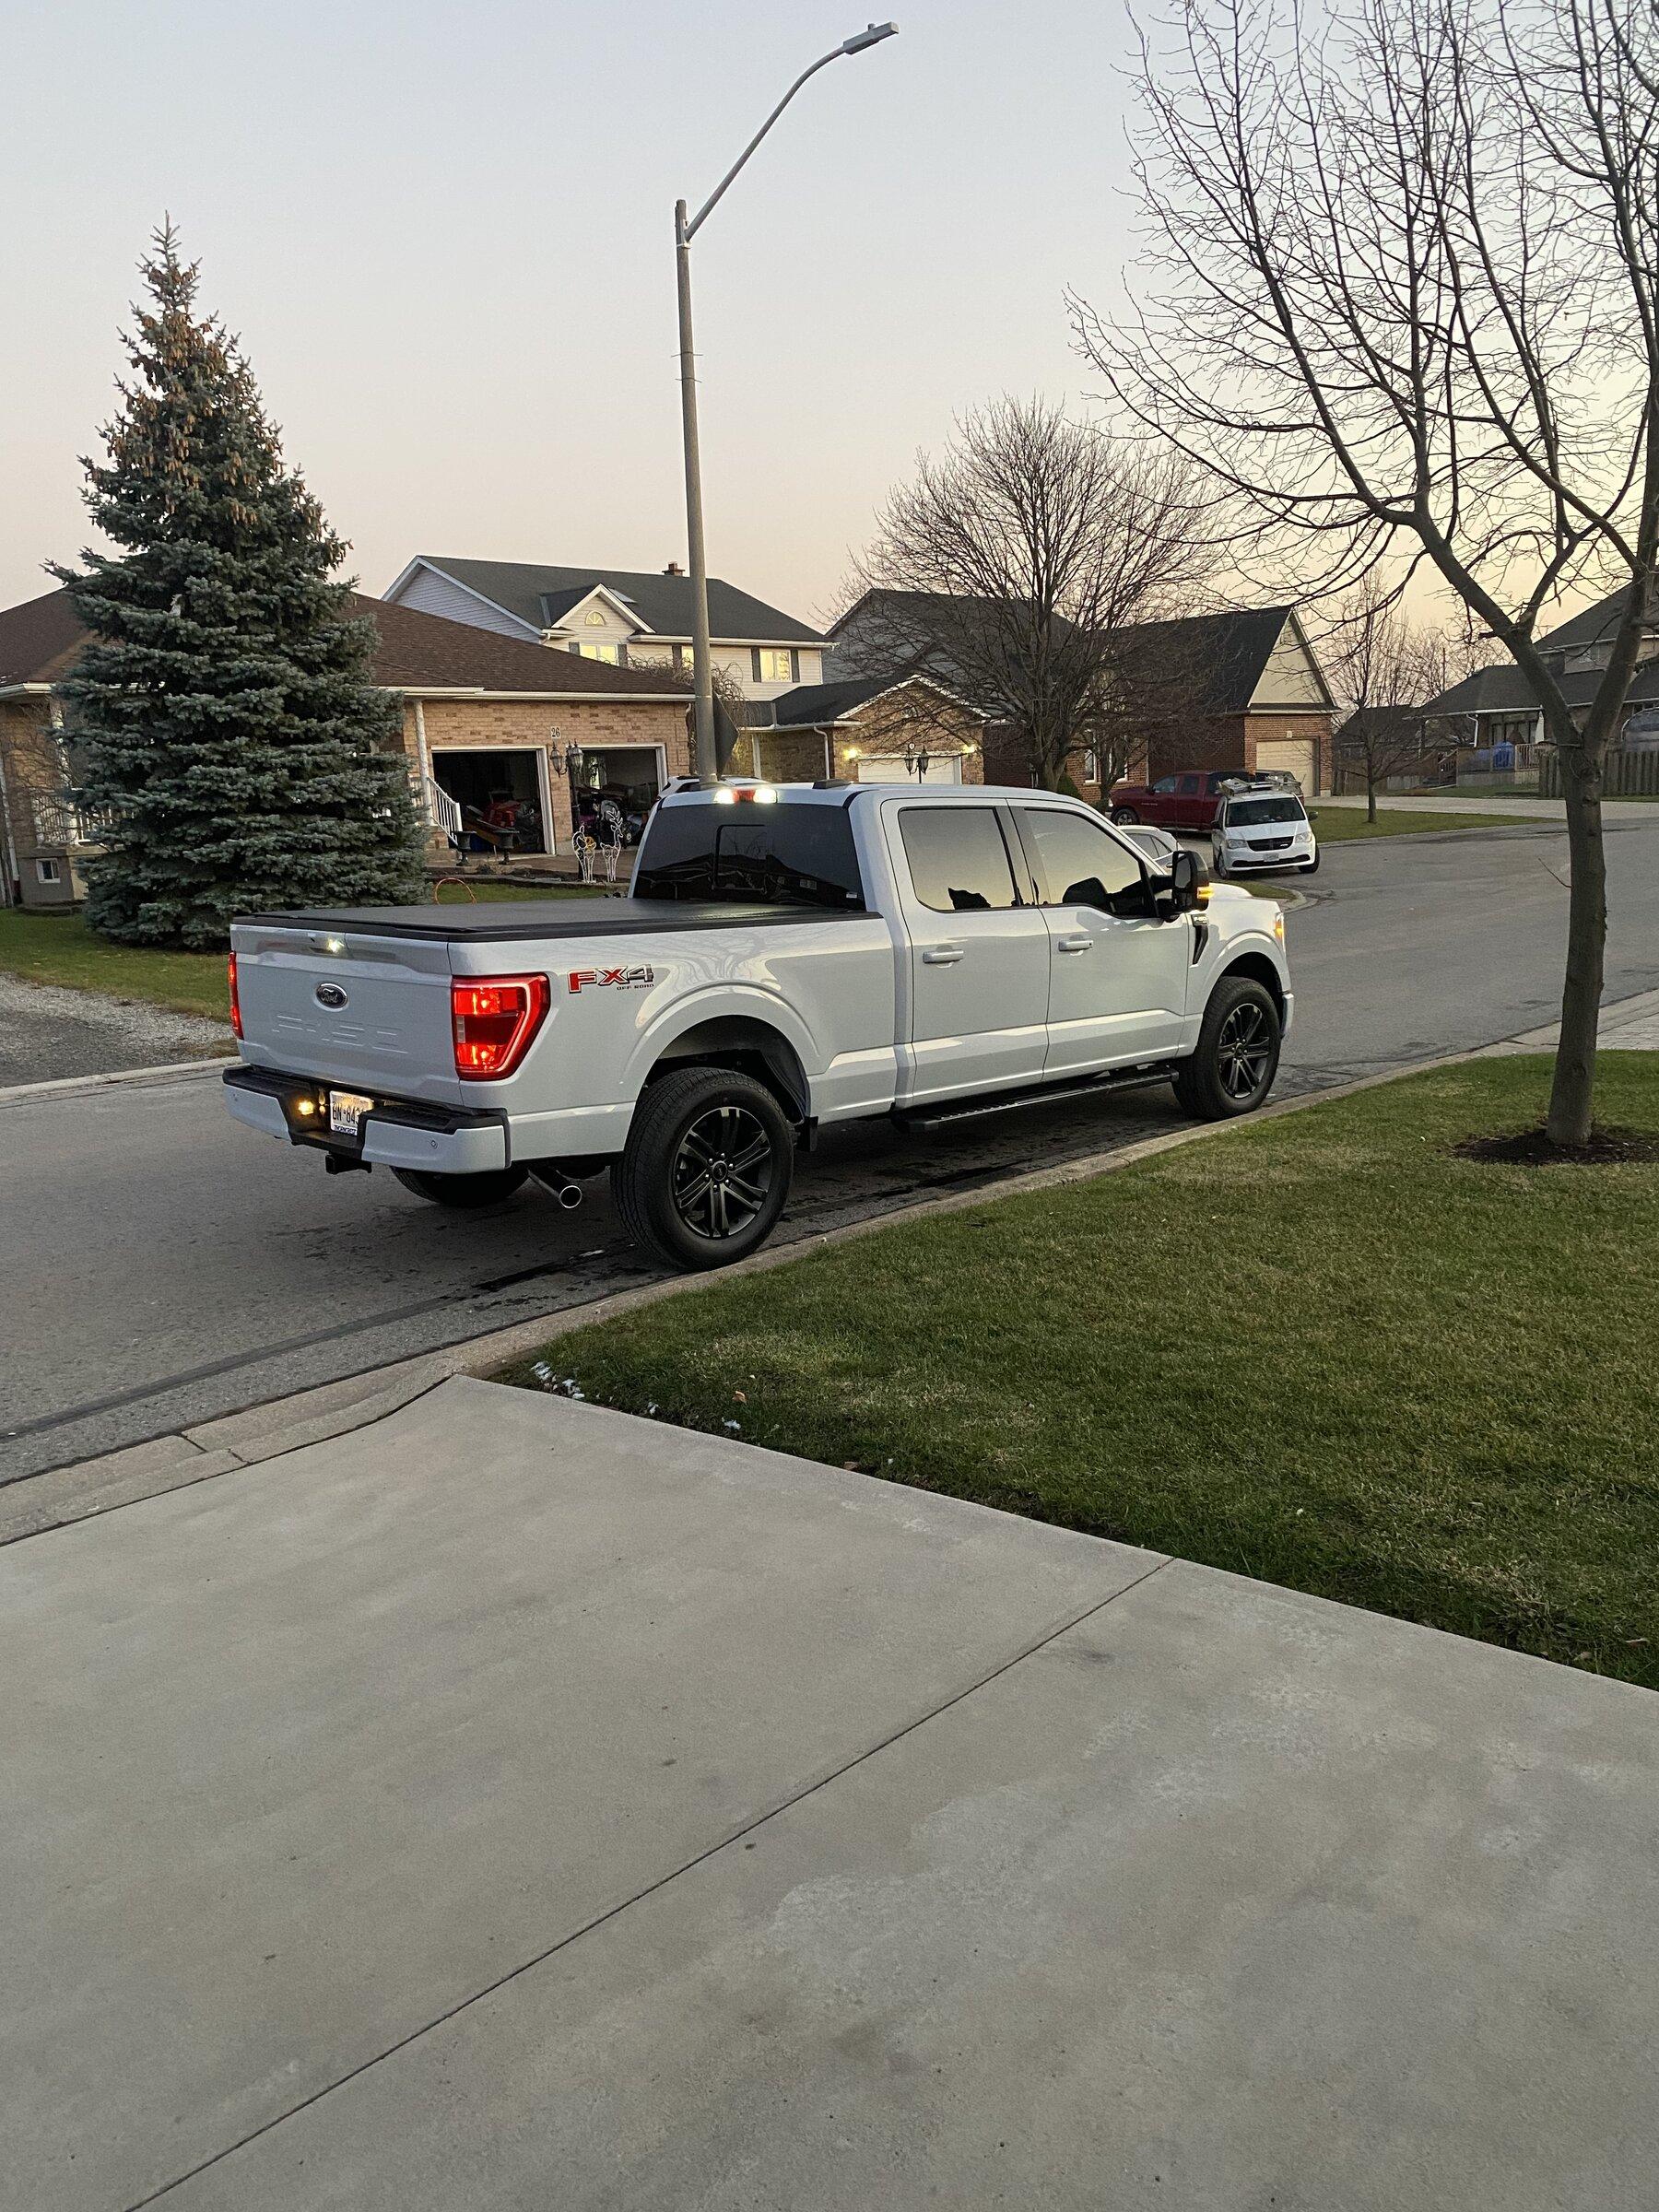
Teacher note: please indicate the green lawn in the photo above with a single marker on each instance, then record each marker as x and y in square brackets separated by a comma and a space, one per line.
[1336, 825]
[60, 948]
[1320, 1350]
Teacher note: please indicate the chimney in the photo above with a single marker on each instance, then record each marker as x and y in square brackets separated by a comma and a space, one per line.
[673, 569]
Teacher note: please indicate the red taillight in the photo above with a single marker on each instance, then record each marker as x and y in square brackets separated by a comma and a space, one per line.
[495, 1017]
[235, 1002]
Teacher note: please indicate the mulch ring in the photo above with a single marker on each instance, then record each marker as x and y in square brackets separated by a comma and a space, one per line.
[1532, 1148]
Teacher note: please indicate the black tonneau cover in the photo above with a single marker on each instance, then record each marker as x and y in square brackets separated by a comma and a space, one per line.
[509, 920]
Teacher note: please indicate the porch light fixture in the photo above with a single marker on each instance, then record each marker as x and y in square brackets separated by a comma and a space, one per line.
[710, 768]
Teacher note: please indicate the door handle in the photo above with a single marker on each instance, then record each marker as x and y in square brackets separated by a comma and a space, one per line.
[941, 956]
[1083, 943]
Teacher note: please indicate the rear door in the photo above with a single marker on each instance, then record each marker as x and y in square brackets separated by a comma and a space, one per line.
[1191, 808]
[1117, 982]
[979, 950]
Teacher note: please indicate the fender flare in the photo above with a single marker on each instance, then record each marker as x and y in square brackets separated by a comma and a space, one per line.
[724, 1001]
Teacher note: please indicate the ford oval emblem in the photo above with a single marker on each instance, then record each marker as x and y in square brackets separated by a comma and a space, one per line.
[330, 995]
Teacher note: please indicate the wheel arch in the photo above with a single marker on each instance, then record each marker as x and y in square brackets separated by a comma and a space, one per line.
[1258, 969]
[745, 1042]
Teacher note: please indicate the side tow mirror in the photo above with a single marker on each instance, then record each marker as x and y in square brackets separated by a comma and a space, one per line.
[1186, 874]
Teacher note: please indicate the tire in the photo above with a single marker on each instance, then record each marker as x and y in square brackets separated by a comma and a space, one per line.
[1218, 865]
[1221, 1081]
[465, 1191]
[1312, 866]
[1124, 814]
[669, 1186]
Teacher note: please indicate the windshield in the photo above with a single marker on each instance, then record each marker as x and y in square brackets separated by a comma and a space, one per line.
[1276, 809]
[784, 855]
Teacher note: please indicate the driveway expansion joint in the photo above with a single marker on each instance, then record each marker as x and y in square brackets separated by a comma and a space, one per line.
[611, 1913]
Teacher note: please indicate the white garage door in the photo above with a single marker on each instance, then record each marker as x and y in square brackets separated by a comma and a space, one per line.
[889, 768]
[1296, 754]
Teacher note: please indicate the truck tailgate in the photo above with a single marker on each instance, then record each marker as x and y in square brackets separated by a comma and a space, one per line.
[360, 1010]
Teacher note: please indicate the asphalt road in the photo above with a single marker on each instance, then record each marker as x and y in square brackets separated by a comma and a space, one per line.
[162, 1266]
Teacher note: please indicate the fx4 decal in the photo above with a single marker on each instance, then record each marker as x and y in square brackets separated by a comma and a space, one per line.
[616, 979]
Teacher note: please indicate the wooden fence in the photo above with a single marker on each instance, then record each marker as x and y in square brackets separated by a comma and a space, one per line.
[1625, 774]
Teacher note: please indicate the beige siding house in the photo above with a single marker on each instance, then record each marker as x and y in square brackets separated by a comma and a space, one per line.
[624, 617]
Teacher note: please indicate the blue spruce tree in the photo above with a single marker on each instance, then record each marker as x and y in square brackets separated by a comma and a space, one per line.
[224, 709]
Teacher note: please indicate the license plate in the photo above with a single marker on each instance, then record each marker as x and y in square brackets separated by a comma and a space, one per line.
[346, 1111]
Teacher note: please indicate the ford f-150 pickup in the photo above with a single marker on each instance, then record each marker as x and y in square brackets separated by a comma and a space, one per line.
[787, 958]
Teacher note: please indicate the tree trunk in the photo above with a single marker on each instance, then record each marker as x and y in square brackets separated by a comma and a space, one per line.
[1370, 796]
[1573, 1092]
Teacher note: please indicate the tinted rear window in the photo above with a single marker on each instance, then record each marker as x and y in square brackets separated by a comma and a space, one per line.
[785, 855]
[957, 861]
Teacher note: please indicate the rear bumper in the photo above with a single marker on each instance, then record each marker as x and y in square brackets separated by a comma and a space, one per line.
[398, 1133]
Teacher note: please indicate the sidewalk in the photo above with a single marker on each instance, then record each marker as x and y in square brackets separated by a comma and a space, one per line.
[514, 1803]
[1531, 810]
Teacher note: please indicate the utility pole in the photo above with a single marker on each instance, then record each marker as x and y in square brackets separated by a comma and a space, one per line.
[709, 766]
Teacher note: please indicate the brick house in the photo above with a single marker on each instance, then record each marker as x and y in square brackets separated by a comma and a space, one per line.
[867, 729]
[491, 727]
[1236, 690]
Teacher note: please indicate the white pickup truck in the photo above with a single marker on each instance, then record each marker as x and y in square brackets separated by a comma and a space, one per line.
[788, 957]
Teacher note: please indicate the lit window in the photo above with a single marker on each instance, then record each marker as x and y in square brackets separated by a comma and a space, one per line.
[776, 665]
[613, 654]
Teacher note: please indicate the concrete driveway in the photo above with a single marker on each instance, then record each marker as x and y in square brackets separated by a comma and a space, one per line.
[514, 1803]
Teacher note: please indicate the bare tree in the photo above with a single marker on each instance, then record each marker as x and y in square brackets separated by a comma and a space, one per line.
[1383, 668]
[1009, 570]
[1407, 296]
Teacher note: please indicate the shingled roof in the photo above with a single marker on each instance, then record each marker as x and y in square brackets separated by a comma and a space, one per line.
[1227, 654]
[42, 640]
[539, 596]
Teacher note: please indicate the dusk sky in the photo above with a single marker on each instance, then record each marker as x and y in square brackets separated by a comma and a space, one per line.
[443, 232]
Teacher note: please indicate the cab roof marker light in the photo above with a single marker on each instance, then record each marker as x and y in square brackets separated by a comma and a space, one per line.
[725, 796]
[765, 796]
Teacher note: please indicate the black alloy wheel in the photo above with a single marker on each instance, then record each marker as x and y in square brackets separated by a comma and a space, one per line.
[1245, 1049]
[721, 1173]
[1232, 1065]
[707, 1166]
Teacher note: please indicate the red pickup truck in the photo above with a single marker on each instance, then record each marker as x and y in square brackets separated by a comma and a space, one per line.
[1186, 800]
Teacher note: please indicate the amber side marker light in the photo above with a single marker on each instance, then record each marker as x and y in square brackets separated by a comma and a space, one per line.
[495, 1019]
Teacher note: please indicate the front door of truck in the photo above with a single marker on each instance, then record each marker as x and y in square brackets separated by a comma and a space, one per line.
[979, 951]
[1117, 980]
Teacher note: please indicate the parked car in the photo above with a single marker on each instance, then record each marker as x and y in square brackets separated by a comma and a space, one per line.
[1188, 799]
[1262, 830]
[786, 958]
[1158, 845]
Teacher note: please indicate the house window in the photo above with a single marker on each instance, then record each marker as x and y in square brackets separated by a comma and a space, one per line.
[1091, 767]
[775, 665]
[47, 871]
[613, 654]
[595, 618]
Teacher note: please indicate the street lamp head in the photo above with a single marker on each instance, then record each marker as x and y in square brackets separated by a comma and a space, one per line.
[872, 35]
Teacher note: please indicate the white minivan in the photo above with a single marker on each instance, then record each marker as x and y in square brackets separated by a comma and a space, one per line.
[1262, 830]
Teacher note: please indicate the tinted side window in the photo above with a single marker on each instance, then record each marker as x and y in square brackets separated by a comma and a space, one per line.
[957, 861]
[1190, 783]
[786, 855]
[1164, 783]
[1072, 852]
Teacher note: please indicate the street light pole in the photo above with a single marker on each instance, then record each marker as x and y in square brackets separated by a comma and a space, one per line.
[703, 665]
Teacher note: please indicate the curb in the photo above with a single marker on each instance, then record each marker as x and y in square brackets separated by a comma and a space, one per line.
[57, 1499]
[14, 1094]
